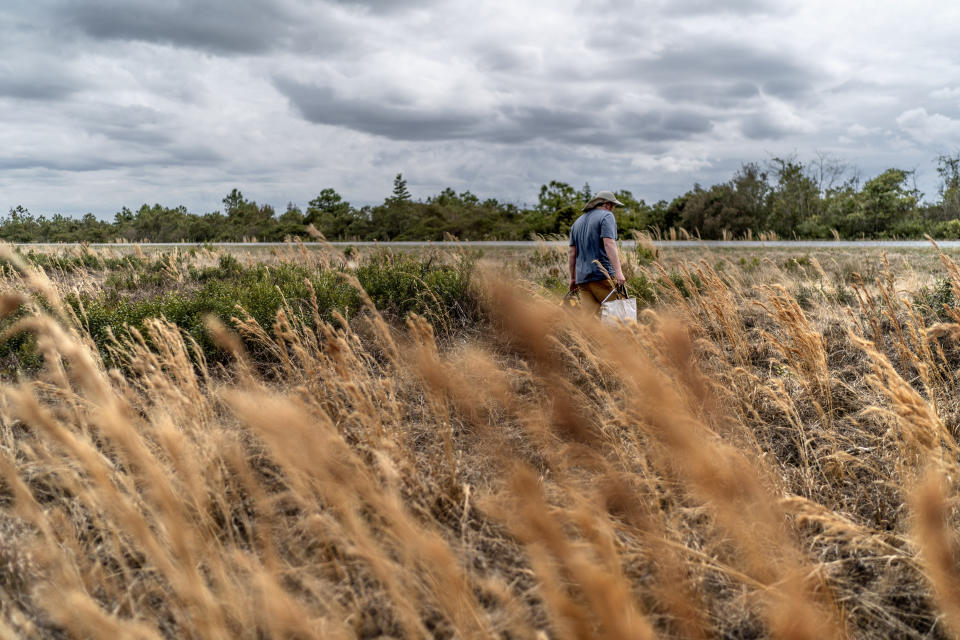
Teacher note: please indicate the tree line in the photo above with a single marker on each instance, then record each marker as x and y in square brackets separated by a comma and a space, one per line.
[790, 198]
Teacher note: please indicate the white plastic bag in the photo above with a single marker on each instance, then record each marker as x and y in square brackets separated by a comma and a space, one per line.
[620, 309]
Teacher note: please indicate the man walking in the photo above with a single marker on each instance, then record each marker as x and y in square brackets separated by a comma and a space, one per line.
[593, 251]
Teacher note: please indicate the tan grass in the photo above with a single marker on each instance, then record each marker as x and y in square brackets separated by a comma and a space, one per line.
[733, 465]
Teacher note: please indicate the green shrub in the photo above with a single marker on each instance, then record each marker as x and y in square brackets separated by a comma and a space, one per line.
[749, 266]
[643, 288]
[400, 284]
[842, 295]
[396, 284]
[644, 255]
[18, 352]
[136, 289]
[680, 283]
[947, 230]
[548, 255]
[794, 264]
[934, 298]
[805, 295]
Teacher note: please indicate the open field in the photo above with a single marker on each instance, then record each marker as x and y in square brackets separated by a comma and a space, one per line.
[408, 445]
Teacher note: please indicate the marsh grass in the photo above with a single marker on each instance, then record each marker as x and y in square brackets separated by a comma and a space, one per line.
[459, 457]
[109, 295]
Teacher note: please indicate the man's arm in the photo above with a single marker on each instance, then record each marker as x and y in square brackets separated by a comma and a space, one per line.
[610, 246]
[572, 261]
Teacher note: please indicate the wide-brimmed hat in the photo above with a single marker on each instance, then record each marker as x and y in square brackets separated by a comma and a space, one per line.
[600, 198]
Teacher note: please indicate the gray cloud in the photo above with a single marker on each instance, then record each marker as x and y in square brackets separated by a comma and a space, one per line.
[650, 95]
[135, 125]
[945, 101]
[502, 60]
[788, 88]
[725, 65]
[36, 76]
[520, 125]
[37, 88]
[384, 6]
[219, 26]
[855, 86]
[659, 126]
[508, 123]
[763, 126]
[718, 94]
[16, 162]
[99, 136]
[396, 121]
[712, 7]
[72, 162]
[681, 8]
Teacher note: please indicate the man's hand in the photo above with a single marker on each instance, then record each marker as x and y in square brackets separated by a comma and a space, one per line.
[610, 247]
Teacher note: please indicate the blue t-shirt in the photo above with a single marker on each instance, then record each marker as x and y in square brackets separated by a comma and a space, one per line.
[587, 235]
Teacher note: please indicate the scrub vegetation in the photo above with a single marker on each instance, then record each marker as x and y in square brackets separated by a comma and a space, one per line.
[784, 198]
[301, 443]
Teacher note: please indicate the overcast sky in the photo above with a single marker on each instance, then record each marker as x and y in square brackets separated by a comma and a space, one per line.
[111, 103]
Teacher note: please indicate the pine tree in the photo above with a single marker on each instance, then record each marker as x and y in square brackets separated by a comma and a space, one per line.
[400, 192]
